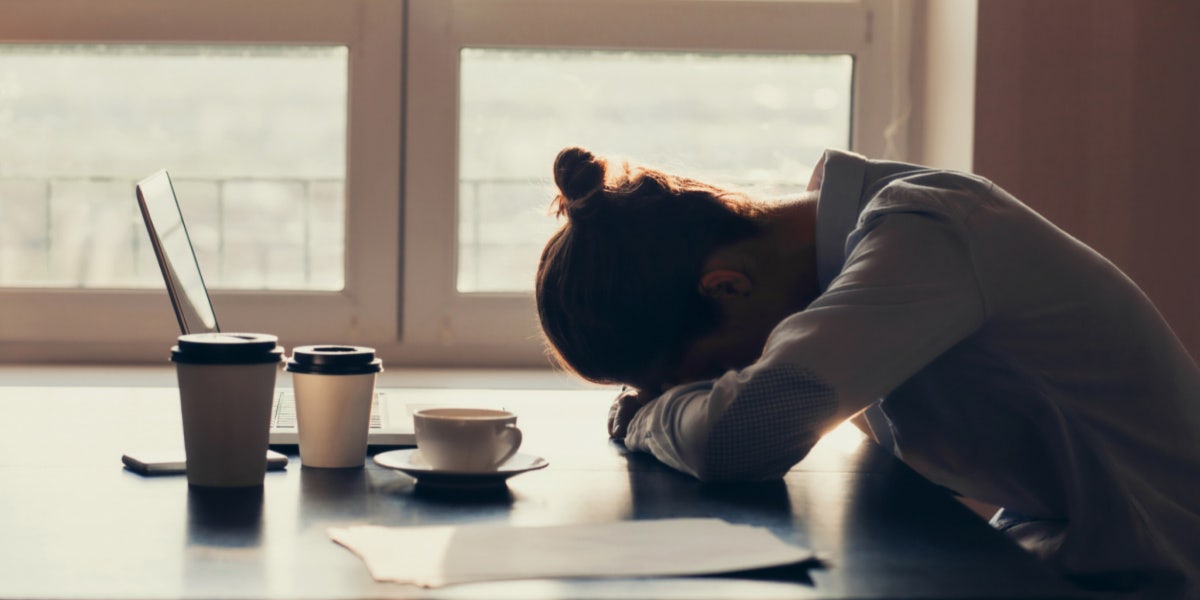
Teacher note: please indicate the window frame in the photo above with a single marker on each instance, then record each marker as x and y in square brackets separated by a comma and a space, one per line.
[78, 325]
[475, 327]
[401, 264]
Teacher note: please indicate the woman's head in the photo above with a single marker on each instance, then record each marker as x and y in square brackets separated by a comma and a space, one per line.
[617, 285]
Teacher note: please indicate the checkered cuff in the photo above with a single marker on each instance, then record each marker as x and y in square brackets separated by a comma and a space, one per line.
[773, 422]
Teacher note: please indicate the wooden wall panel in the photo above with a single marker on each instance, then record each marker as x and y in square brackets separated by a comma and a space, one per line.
[1089, 111]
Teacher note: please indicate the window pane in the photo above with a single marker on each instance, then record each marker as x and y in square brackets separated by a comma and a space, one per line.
[254, 137]
[754, 122]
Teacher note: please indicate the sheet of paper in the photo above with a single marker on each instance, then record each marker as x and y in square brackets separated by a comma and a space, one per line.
[436, 556]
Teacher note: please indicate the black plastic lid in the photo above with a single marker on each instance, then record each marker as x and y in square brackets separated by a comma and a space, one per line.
[227, 349]
[334, 360]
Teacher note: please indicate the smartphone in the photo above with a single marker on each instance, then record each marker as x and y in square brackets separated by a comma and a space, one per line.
[175, 463]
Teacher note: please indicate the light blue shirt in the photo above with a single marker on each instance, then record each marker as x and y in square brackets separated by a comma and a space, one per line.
[1015, 365]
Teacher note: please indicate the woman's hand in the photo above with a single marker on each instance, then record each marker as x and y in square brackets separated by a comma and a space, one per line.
[624, 408]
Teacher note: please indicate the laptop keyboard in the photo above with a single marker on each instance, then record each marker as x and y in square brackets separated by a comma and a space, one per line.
[283, 414]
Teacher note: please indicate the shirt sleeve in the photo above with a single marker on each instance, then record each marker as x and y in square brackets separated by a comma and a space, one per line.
[907, 293]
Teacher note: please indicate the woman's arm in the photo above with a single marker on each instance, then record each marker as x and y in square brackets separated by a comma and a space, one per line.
[906, 294]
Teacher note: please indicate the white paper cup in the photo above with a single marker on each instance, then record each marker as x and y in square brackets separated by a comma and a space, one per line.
[226, 386]
[466, 440]
[334, 388]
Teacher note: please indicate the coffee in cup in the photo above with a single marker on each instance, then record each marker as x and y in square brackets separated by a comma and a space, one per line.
[226, 387]
[466, 440]
[334, 388]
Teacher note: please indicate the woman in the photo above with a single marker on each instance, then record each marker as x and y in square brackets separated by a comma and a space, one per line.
[1011, 363]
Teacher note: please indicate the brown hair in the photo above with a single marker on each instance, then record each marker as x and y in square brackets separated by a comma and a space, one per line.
[618, 283]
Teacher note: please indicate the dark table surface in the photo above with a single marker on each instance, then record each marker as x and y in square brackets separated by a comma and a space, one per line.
[75, 524]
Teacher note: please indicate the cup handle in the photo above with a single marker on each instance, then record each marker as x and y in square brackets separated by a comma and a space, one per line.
[512, 436]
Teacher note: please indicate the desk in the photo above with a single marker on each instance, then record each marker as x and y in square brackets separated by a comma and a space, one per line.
[75, 524]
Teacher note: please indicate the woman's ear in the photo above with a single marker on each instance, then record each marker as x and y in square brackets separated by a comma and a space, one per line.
[725, 283]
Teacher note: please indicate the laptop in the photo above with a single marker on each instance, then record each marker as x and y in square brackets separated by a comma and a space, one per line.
[391, 417]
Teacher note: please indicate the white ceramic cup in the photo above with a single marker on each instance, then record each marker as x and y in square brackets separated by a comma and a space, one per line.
[466, 440]
[226, 387]
[334, 388]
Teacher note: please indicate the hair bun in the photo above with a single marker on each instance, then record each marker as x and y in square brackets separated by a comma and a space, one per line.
[579, 174]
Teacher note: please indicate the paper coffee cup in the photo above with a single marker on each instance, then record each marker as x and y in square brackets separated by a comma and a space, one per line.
[334, 388]
[226, 386]
[466, 440]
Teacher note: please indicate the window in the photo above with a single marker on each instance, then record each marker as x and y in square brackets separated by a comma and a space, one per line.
[278, 120]
[750, 121]
[255, 136]
[495, 89]
[378, 171]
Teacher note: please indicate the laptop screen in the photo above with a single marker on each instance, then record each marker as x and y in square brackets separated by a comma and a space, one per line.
[176, 257]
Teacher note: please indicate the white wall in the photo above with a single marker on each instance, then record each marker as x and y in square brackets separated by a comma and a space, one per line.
[943, 83]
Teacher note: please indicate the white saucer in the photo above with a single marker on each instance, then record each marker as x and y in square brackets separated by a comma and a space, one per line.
[411, 462]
